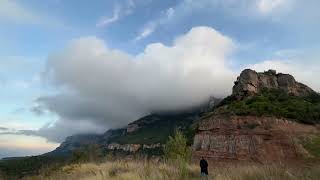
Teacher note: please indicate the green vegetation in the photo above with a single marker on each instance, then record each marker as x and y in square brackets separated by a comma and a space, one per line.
[276, 103]
[176, 148]
[312, 145]
[19, 167]
[158, 131]
[87, 154]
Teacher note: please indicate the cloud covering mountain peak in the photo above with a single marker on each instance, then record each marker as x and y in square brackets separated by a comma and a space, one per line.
[110, 88]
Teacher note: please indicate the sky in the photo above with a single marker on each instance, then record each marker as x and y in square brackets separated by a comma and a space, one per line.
[78, 66]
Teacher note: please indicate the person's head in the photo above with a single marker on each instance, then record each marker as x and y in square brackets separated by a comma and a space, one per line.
[202, 157]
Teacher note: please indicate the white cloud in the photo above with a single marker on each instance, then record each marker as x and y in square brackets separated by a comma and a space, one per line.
[104, 21]
[110, 88]
[251, 9]
[170, 13]
[152, 26]
[147, 31]
[268, 6]
[119, 11]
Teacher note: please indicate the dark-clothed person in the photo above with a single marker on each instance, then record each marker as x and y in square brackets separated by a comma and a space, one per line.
[204, 167]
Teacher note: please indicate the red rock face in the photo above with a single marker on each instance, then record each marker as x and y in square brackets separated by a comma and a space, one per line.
[249, 138]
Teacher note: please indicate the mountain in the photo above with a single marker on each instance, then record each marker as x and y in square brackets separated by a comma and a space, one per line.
[145, 135]
[269, 117]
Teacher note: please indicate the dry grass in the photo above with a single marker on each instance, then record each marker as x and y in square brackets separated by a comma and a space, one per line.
[145, 170]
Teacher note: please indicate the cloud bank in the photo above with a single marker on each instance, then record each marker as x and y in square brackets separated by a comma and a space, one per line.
[102, 88]
[105, 88]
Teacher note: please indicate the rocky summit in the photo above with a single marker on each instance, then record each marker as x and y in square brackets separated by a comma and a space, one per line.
[258, 122]
[251, 83]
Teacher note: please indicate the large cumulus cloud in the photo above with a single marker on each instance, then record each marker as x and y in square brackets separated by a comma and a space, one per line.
[109, 88]
[101, 88]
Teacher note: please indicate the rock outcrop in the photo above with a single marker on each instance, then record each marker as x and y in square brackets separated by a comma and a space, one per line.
[250, 83]
[132, 148]
[124, 147]
[249, 138]
[224, 136]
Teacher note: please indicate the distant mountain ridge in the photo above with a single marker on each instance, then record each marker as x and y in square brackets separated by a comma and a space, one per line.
[148, 131]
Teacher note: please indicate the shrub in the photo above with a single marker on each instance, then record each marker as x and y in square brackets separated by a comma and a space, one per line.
[277, 103]
[176, 148]
[312, 145]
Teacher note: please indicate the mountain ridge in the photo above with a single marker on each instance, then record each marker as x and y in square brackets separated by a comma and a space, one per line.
[263, 121]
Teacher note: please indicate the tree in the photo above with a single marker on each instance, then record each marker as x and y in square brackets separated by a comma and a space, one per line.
[176, 148]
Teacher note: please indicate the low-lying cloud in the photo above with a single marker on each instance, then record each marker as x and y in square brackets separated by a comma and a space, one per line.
[107, 88]
[102, 88]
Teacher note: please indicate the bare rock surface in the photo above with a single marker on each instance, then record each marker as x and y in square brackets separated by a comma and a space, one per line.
[251, 82]
[250, 138]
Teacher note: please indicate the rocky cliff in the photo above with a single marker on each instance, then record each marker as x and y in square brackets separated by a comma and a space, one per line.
[250, 128]
[251, 83]
[250, 138]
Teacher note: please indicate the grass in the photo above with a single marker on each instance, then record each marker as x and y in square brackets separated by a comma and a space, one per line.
[148, 170]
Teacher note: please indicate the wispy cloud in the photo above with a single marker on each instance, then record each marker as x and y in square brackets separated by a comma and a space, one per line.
[268, 6]
[104, 21]
[249, 8]
[118, 12]
[151, 27]
[146, 31]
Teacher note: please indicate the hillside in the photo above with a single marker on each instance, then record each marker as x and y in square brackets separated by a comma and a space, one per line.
[143, 137]
[150, 132]
[269, 117]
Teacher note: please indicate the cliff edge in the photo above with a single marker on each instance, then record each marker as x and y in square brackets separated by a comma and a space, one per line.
[263, 121]
[250, 83]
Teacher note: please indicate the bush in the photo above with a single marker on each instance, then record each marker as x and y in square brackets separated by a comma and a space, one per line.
[87, 154]
[312, 145]
[277, 103]
[176, 148]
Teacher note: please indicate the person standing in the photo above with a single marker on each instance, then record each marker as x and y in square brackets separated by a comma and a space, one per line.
[204, 167]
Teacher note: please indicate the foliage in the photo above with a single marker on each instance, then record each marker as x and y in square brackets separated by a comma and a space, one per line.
[18, 167]
[277, 103]
[312, 145]
[156, 131]
[176, 148]
[87, 154]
